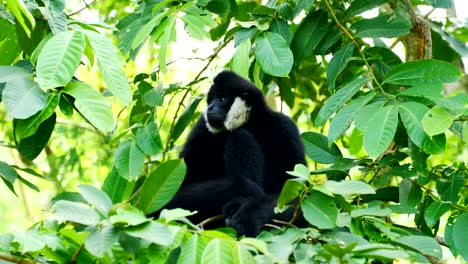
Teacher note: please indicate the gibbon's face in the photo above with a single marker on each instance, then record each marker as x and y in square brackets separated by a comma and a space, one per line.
[225, 112]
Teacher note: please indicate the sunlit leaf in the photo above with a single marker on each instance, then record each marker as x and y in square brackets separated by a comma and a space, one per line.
[273, 54]
[320, 210]
[384, 125]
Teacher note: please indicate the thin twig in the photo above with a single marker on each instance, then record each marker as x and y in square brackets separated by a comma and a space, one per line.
[82, 9]
[78, 250]
[276, 221]
[16, 259]
[209, 220]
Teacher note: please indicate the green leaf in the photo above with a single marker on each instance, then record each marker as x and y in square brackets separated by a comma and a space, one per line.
[96, 198]
[381, 27]
[320, 210]
[116, 187]
[75, 212]
[161, 185]
[441, 3]
[460, 233]
[27, 127]
[167, 36]
[185, 118]
[425, 245]
[9, 44]
[22, 15]
[434, 212]
[148, 138]
[340, 59]
[241, 255]
[301, 171]
[359, 6]
[128, 216]
[421, 72]
[192, 250]
[371, 211]
[351, 187]
[437, 120]
[30, 241]
[109, 65]
[338, 99]
[92, 105]
[317, 148]
[100, 242]
[281, 27]
[198, 24]
[273, 54]
[59, 59]
[411, 113]
[240, 63]
[145, 30]
[8, 73]
[344, 117]
[309, 34]
[129, 160]
[23, 98]
[218, 251]
[7, 172]
[291, 190]
[452, 186]
[384, 125]
[32, 146]
[153, 232]
[175, 214]
[366, 113]
[410, 194]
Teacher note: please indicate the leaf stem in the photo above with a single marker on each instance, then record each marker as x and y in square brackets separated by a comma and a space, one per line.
[347, 33]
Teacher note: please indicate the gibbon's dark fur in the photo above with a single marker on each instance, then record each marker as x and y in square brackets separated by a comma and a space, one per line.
[237, 158]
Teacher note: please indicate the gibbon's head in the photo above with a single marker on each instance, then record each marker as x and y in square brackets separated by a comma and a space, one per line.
[231, 101]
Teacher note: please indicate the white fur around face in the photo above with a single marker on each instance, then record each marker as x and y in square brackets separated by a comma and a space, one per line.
[238, 114]
[208, 126]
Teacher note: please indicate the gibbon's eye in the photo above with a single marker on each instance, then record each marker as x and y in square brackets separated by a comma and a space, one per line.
[222, 98]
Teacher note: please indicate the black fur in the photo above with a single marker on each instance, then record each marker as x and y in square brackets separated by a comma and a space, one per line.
[239, 173]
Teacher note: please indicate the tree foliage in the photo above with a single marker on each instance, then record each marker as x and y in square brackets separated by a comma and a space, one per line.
[375, 123]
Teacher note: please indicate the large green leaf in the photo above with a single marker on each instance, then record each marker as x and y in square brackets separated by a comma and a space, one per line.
[96, 198]
[185, 118]
[437, 120]
[129, 160]
[381, 27]
[7, 172]
[168, 35]
[366, 113]
[100, 242]
[291, 190]
[241, 255]
[359, 6]
[9, 44]
[384, 125]
[218, 251]
[145, 30]
[33, 145]
[449, 188]
[161, 185]
[337, 64]
[240, 63]
[411, 113]
[320, 210]
[460, 233]
[352, 187]
[75, 212]
[192, 250]
[59, 59]
[109, 64]
[153, 232]
[344, 117]
[317, 148]
[23, 98]
[410, 194]
[148, 138]
[273, 54]
[422, 72]
[338, 99]
[8, 73]
[27, 127]
[434, 212]
[116, 187]
[309, 34]
[424, 244]
[22, 15]
[92, 105]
